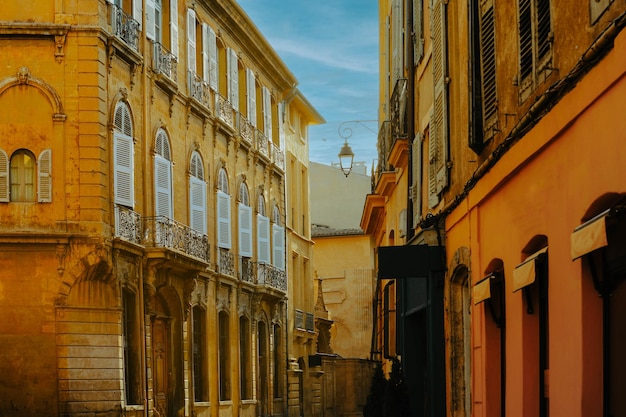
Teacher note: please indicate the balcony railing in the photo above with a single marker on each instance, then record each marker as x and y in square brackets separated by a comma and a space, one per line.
[125, 27]
[225, 262]
[246, 130]
[397, 105]
[128, 224]
[199, 89]
[299, 322]
[278, 157]
[166, 233]
[224, 110]
[270, 276]
[246, 269]
[262, 143]
[310, 322]
[164, 62]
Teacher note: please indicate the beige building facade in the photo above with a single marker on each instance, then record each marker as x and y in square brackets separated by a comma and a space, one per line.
[146, 236]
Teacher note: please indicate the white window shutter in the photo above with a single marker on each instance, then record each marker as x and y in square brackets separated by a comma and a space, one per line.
[251, 91]
[281, 124]
[223, 220]
[263, 244]
[205, 52]
[44, 180]
[267, 113]
[150, 22]
[233, 79]
[279, 246]
[163, 186]
[197, 204]
[213, 70]
[123, 169]
[438, 145]
[416, 187]
[138, 11]
[191, 40]
[4, 177]
[174, 27]
[245, 230]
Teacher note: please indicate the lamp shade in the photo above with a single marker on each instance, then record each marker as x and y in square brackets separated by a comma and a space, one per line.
[346, 157]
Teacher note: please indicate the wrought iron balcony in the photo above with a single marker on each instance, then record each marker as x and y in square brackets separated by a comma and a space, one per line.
[167, 233]
[270, 276]
[225, 262]
[125, 27]
[299, 320]
[278, 157]
[164, 62]
[262, 144]
[128, 225]
[246, 130]
[224, 110]
[397, 107]
[246, 269]
[199, 89]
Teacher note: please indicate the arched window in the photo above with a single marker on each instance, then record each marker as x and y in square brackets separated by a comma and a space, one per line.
[245, 222]
[200, 365]
[278, 240]
[197, 194]
[22, 176]
[163, 175]
[123, 156]
[223, 211]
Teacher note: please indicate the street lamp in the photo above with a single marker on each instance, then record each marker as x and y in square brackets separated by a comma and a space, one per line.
[346, 157]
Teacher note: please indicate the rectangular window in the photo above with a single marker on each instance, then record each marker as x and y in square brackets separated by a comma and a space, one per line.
[535, 44]
[132, 349]
[245, 371]
[224, 355]
[200, 366]
[389, 314]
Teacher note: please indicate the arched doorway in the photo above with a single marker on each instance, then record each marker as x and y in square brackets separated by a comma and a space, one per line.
[167, 366]
[460, 342]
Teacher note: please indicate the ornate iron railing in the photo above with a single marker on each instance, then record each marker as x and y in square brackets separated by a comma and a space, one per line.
[128, 224]
[310, 322]
[167, 233]
[278, 157]
[270, 276]
[246, 130]
[125, 27]
[199, 89]
[225, 262]
[299, 322]
[246, 269]
[262, 143]
[164, 62]
[397, 104]
[224, 110]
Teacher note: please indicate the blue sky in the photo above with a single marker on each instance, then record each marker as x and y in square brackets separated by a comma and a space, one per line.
[332, 49]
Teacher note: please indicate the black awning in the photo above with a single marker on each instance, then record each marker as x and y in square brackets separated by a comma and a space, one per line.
[410, 261]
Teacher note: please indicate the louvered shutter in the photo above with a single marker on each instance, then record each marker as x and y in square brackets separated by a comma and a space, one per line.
[233, 79]
[205, 52]
[438, 144]
[44, 177]
[251, 96]
[525, 40]
[150, 20]
[396, 41]
[174, 27]
[245, 230]
[4, 177]
[263, 243]
[223, 220]
[488, 65]
[163, 186]
[191, 40]
[123, 169]
[197, 204]
[281, 124]
[267, 113]
[279, 246]
[138, 11]
[416, 187]
[213, 70]
[418, 30]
